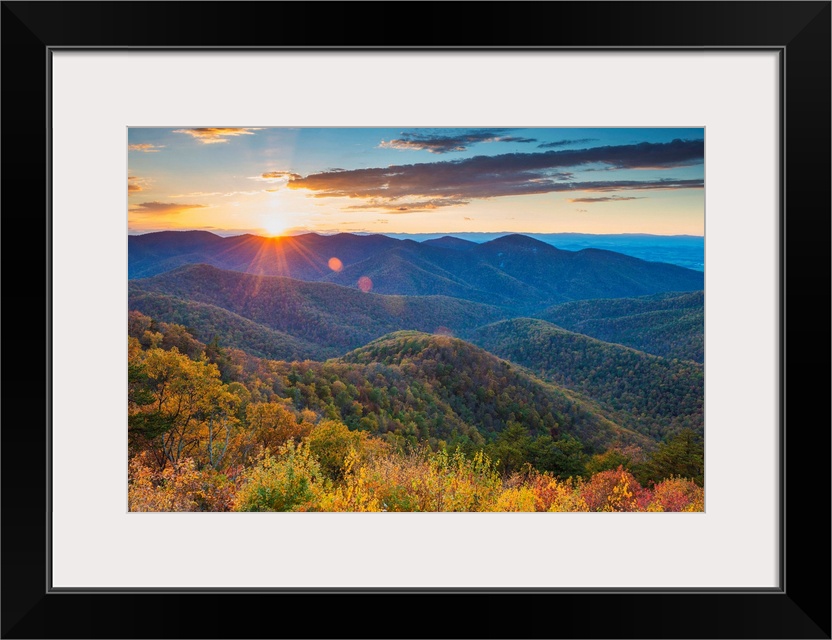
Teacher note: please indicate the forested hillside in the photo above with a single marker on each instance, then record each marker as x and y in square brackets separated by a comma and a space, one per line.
[671, 325]
[331, 317]
[649, 394]
[410, 422]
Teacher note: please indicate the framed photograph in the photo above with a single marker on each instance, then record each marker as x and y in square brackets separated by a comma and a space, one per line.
[373, 286]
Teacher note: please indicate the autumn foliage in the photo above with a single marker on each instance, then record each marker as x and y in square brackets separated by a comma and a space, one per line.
[209, 434]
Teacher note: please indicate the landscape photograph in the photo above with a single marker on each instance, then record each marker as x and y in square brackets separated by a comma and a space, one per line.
[415, 319]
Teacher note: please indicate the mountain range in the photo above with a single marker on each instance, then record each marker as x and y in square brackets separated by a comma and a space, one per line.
[513, 271]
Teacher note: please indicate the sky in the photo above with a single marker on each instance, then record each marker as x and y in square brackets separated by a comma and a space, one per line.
[277, 181]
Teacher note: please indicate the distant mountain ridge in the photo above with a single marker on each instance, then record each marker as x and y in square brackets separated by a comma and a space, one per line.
[513, 271]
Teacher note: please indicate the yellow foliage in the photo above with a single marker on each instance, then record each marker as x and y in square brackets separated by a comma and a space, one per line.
[176, 488]
[289, 481]
[516, 499]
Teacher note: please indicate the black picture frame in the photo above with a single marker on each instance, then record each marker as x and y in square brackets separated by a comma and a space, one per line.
[799, 608]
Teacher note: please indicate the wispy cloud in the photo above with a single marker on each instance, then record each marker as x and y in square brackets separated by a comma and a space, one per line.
[419, 187]
[439, 143]
[196, 194]
[607, 199]
[395, 206]
[145, 147]
[215, 135]
[163, 208]
[562, 143]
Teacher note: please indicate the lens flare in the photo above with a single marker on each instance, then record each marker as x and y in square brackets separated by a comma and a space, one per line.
[365, 284]
[335, 264]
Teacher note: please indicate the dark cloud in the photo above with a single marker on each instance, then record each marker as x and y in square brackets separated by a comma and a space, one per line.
[134, 184]
[516, 139]
[562, 143]
[161, 208]
[456, 181]
[606, 199]
[436, 143]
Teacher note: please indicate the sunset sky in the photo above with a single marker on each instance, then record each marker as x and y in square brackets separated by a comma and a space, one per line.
[272, 181]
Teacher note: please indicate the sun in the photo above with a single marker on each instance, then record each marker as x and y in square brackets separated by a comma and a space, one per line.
[273, 225]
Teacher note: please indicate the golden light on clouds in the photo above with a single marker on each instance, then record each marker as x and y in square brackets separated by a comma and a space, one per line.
[214, 135]
[163, 208]
[280, 182]
[145, 147]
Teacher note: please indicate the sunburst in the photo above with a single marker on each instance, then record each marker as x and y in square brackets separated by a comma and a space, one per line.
[273, 225]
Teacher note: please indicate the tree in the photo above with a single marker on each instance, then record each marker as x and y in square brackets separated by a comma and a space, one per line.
[291, 481]
[272, 424]
[682, 456]
[177, 405]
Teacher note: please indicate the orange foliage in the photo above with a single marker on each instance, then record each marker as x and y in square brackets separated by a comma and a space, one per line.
[677, 494]
[614, 490]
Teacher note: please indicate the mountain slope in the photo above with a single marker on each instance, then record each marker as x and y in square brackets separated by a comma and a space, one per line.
[327, 315]
[670, 324]
[206, 322]
[416, 272]
[487, 392]
[649, 394]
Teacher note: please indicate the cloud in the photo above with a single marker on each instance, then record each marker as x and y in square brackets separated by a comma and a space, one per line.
[469, 219]
[606, 199]
[145, 147]
[274, 176]
[214, 135]
[395, 206]
[163, 208]
[279, 175]
[196, 194]
[665, 184]
[134, 184]
[562, 143]
[210, 194]
[444, 183]
[436, 143]
[581, 210]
